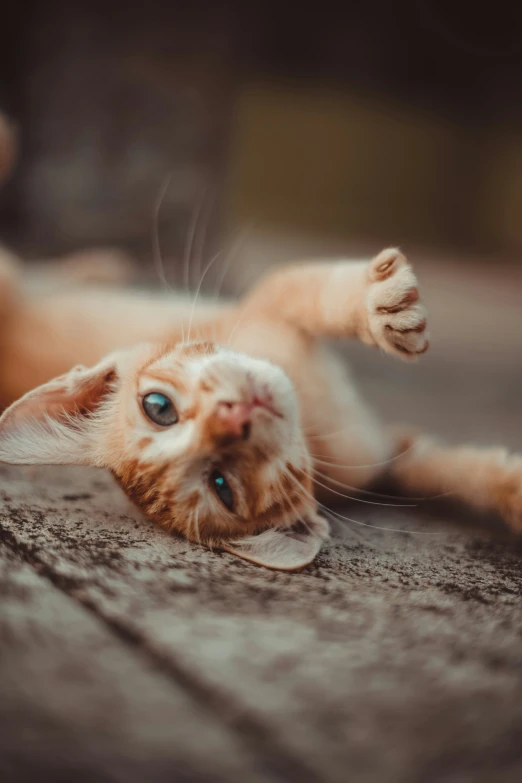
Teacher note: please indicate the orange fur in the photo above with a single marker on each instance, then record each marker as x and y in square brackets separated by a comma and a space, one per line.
[255, 393]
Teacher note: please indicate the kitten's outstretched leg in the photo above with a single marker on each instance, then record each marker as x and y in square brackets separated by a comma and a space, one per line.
[486, 479]
[378, 302]
[106, 266]
[101, 266]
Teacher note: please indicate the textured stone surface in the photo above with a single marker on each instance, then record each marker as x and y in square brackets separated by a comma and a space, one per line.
[77, 703]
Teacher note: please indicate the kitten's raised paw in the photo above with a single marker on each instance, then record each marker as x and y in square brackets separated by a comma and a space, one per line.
[397, 319]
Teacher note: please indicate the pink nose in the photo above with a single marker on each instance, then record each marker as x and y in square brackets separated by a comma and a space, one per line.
[235, 417]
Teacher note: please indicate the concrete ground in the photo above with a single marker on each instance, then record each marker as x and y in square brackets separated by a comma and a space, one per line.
[130, 655]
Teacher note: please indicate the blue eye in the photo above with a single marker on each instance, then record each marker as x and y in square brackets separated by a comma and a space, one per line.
[222, 489]
[160, 409]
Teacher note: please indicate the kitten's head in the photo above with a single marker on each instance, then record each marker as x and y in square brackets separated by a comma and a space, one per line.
[206, 441]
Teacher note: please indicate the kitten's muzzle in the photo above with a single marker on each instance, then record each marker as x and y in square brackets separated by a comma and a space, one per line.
[233, 419]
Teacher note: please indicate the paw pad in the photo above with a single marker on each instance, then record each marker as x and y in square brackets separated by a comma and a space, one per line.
[396, 316]
[385, 264]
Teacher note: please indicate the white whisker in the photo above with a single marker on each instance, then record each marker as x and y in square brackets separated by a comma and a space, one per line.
[212, 260]
[238, 321]
[200, 234]
[379, 494]
[370, 465]
[387, 529]
[196, 521]
[189, 526]
[190, 240]
[236, 245]
[328, 435]
[362, 524]
[298, 515]
[156, 248]
[360, 500]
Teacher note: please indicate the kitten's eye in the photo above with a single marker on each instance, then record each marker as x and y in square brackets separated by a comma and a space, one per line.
[160, 409]
[222, 489]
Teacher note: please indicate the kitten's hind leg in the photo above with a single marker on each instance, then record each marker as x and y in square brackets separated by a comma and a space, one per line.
[487, 479]
[105, 266]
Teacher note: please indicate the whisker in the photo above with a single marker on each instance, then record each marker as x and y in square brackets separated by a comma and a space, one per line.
[358, 522]
[258, 328]
[360, 500]
[300, 488]
[387, 529]
[156, 248]
[217, 288]
[196, 520]
[320, 436]
[201, 235]
[212, 260]
[381, 494]
[370, 465]
[240, 239]
[190, 240]
[236, 245]
[356, 489]
[305, 494]
[298, 515]
[254, 275]
[238, 321]
[189, 526]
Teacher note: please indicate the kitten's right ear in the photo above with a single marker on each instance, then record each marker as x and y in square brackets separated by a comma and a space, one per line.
[56, 424]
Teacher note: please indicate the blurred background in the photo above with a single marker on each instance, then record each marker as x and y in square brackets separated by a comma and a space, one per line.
[267, 125]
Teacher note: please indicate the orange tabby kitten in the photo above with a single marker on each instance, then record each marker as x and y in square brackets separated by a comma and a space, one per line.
[205, 413]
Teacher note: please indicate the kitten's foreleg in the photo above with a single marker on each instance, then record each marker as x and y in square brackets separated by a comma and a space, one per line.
[487, 479]
[105, 266]
[376, 301]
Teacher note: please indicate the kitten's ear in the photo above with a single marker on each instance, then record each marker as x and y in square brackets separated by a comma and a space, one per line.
[54, 424]
[284, 549]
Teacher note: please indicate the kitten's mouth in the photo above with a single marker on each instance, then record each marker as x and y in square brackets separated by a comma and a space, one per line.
[266, 404]
[236, 418]
[262, 397]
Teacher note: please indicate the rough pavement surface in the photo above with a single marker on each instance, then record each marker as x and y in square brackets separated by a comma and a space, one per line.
[130, 655]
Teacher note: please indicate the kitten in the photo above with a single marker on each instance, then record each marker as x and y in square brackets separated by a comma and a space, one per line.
[212, 418]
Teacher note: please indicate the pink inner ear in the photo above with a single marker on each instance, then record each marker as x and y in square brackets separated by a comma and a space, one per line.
[51, 425]
[38, 406]
[69, 394]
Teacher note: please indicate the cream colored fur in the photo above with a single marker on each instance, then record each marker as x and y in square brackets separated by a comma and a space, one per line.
[271, 337]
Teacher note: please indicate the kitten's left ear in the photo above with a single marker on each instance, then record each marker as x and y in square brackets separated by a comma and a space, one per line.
[284, 549]
[54, 424]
